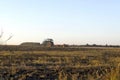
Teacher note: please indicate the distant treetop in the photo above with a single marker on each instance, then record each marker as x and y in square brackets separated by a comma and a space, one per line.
[48, 42]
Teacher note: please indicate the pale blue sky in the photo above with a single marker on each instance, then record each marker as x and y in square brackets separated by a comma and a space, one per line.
[66, 21]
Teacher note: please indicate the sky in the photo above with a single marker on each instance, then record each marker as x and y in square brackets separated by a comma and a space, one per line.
[65, 21]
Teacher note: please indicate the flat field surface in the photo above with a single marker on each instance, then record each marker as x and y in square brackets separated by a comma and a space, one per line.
[84, 64]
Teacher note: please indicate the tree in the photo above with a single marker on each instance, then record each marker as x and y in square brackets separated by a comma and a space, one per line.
[48, 43]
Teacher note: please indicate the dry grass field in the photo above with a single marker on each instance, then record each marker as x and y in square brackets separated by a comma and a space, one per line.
[83, 64]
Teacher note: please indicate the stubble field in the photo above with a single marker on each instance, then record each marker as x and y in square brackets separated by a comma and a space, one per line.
[83, 64]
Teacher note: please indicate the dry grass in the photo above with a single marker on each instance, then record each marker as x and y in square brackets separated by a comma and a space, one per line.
[69, 59]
